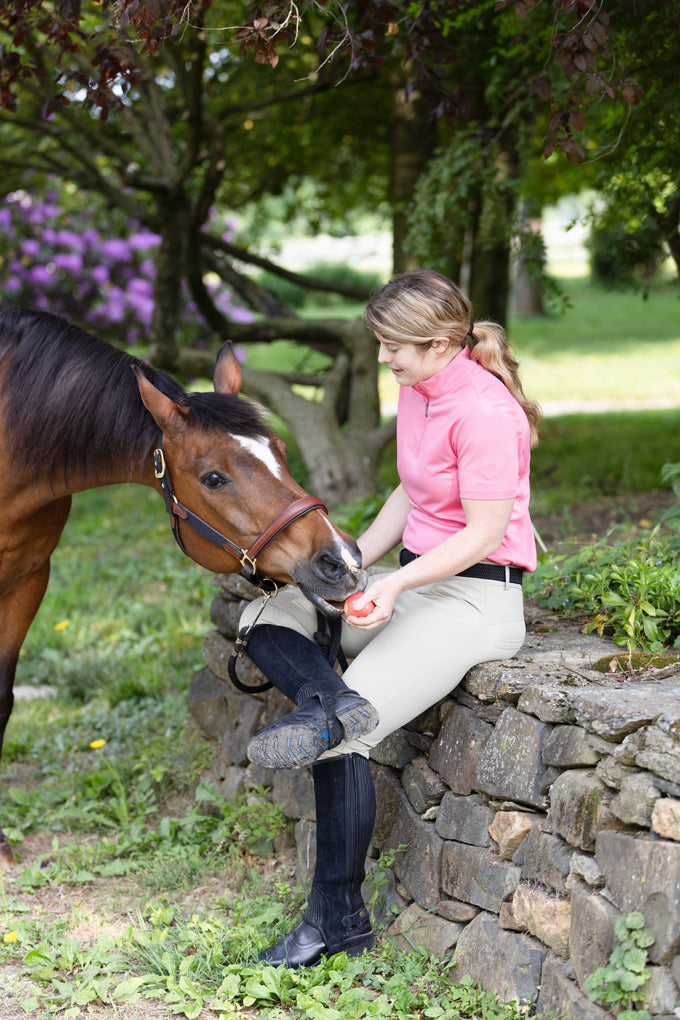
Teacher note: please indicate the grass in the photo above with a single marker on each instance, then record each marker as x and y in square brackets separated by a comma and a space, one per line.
[608, 347]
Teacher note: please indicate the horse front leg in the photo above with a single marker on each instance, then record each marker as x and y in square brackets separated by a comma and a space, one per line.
[18, 607]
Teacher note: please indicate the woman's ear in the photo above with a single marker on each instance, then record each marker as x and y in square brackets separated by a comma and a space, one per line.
[441, 344]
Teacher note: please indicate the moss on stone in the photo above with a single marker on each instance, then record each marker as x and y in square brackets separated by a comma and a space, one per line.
[634, 662]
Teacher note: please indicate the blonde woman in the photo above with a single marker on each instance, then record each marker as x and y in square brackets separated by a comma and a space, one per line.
[461, 516]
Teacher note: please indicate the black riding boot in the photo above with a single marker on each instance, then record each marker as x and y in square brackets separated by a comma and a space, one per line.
[336, 919]
[329, 711]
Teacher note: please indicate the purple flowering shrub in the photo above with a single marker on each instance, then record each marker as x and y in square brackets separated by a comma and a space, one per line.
[62, 262]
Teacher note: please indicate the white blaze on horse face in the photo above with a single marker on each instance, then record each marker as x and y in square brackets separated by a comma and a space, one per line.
[261, 449]
[343, 550]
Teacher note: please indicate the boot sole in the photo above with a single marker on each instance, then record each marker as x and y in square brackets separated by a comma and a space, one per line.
[295, 746]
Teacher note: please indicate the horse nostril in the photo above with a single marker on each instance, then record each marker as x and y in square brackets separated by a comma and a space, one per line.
[330, 567]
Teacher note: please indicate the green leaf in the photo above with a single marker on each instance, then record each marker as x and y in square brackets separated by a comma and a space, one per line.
[635, 959]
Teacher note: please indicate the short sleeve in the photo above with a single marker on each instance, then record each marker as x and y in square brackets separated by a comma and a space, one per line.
[487, 445]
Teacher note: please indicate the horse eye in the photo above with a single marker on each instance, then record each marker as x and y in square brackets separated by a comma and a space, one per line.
[213, 480]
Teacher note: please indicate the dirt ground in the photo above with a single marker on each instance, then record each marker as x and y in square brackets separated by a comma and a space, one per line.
[109, 904]
[611, 518]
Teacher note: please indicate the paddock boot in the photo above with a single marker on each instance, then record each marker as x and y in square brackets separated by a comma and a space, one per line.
[336, 919]
[328, 713]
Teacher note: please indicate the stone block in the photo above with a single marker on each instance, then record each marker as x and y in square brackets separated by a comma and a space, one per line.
[614, 712]
[661, 753]
[644, 874]
[424, 788]
[499, 679]
[477, 876]
[567, 747]
[395, 750]
[613, 772]
[207, 702]
[234, 779]
[585, 868]
[456, 910]
[305, 845]
[635, 802]
[293, 790]
[225, 613]
[546, 859]
[380, 894]
[546, 917]
[465, 819]
[548, 702]
[417, 927]
[509, 829]
[627, 751]
[666, 818]
[675, 970]
[561, 997]
[511, 764]
[662, 995]
[592, 938]
[418, 865]
[501, 961]
[506, 918]
[245, 720]
[455, 752]
[579, 808]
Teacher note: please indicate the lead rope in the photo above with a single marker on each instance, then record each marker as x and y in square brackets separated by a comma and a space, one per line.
[327, 642]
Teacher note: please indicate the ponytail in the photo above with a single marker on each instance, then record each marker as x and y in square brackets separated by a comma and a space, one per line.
[488, 346]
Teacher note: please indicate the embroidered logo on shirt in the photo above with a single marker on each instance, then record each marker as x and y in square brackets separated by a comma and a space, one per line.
[491, 469]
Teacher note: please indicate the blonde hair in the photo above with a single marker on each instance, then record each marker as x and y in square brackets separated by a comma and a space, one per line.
[417, 307]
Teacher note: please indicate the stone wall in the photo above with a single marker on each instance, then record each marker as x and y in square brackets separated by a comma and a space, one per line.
[525, 812]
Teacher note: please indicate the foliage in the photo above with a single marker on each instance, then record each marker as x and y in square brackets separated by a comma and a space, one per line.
[618, 985]
[196, 962]
[92, 265]
[625, 249]
[630, 589]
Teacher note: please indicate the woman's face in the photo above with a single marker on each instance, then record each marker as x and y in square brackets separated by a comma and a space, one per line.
[413, 363]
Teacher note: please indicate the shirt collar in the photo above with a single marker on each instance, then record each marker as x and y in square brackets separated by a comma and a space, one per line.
[446, 380]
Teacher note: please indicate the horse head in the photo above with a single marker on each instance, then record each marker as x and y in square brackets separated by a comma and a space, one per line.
[230, 472]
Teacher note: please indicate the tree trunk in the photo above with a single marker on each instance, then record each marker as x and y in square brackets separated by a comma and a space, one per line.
[412, 141]
[527, 292]
[343, 462]
[170, 263]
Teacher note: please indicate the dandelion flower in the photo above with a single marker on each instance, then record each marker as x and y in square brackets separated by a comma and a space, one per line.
[96, 744]
[62, 625]
[11, 936]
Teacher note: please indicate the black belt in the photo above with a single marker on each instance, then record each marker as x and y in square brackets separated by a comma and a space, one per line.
[485, 571]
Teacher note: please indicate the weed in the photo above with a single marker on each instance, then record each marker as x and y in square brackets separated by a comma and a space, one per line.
[630, 590]
[618, 985]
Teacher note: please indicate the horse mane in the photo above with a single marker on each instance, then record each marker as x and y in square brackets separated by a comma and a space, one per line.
[72, 404]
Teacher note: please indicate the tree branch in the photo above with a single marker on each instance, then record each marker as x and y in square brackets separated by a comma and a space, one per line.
[308, 282]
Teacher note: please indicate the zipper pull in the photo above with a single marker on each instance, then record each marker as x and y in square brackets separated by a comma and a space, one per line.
[427, 408]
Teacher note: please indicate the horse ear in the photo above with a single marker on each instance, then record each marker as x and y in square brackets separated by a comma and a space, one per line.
[168, 415]
[227, 377]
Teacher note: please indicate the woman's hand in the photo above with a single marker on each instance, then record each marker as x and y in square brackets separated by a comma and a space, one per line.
[383, 593]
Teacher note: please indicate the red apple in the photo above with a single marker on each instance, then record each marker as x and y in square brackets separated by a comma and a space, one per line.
[366, 611]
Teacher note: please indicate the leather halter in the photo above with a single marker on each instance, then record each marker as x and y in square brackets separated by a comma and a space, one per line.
[246, 557]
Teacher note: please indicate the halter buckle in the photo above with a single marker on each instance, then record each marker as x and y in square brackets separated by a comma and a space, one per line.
[159, 468]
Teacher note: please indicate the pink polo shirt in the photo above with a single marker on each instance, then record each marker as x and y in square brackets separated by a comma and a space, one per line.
[462, 435]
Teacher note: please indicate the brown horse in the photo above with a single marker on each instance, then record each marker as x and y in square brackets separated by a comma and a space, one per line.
[76, 414]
